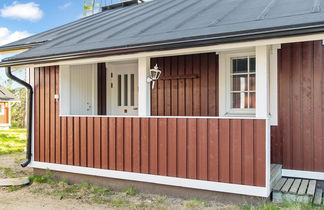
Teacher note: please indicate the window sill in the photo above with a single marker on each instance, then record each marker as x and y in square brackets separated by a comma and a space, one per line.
[240, 115]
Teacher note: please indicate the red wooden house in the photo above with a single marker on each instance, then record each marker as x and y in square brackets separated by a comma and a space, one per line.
[6, 97]
[241, 88]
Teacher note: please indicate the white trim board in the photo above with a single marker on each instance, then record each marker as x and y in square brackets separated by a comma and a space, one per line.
[171, 117]
[165, 180]
[303, 174]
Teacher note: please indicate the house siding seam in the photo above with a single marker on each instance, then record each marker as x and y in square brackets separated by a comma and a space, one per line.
[219, 150]
[298, 139]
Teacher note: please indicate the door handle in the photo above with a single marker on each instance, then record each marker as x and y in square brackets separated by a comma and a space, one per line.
[135, 108]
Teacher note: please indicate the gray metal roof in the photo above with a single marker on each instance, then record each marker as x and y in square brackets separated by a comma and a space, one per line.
[6, 95]
[161, 22]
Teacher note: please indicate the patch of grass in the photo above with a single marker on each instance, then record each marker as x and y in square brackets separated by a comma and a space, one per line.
[194, 203]
[131, 191]
[12, 141]
[119, 202]
[8, 172]
[269, 206]
[14, 188]
[160, 200]
[285, 206]
[48, 178]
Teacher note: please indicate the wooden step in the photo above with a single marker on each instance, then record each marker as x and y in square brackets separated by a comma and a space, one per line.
[276, 174]
[294, 190]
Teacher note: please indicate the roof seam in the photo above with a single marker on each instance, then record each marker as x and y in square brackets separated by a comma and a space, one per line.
[93, 33]
[163, 19]
[193, 15]
[215, 22]
[316, 6]
[266, 10]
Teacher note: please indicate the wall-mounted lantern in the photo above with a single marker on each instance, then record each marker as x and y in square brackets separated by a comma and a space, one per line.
[155, 74]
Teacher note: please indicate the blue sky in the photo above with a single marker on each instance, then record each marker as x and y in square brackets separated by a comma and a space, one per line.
[22, 18]
[54, 13]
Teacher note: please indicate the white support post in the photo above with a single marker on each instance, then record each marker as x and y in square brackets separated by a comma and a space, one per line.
[262, 81]
[144, 91]
[274, 84]
[263, 100]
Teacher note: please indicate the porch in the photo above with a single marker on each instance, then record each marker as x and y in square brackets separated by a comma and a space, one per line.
[97, 119]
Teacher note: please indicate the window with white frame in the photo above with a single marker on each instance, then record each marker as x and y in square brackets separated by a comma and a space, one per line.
[240, 88]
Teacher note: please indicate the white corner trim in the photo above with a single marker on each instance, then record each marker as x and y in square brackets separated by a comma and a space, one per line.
[165, 180]
[262, 80]
[303, 174]
[274, 84]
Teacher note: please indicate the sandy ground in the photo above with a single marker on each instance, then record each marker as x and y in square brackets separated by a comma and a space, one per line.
[25, 198]
[22, 199]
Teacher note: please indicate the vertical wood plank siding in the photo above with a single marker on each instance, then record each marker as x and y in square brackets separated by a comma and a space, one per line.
[178, 94]
[223, 150]
[298, 141]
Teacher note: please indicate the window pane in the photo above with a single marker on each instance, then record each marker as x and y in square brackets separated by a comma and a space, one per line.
[132, 90]
[125, 90]
[240, 82]
[240, 65]
[252, 82]
[240, 100]
[119, 90]
[252, 64]
[252, 100]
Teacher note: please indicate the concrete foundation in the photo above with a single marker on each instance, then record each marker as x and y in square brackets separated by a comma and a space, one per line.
[163, 190]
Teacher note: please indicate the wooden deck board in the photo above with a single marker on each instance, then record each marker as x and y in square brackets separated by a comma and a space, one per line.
[287, 186]
[303, 187]
[294, 188]
[280, 184]
[318, 196]
[311, 188]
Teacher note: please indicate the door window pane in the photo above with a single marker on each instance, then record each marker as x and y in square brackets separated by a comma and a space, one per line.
[132, 90]
[125, 90]
[119, 90]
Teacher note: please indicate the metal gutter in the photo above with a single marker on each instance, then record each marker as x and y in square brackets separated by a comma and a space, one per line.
[176, 44]
[29, 114]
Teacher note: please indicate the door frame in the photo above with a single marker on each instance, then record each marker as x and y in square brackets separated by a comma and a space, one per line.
[109, 68]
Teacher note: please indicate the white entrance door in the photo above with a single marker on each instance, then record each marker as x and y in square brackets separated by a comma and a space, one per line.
[123, 89]
[83, 89]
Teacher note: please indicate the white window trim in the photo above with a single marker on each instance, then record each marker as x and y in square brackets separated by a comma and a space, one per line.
[225, 83]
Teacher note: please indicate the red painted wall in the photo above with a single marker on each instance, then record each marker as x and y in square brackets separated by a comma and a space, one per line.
[298, 140]
[4, 119]
[188, 86]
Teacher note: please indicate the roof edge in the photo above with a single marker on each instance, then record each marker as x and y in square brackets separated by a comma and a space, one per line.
[175, 44]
